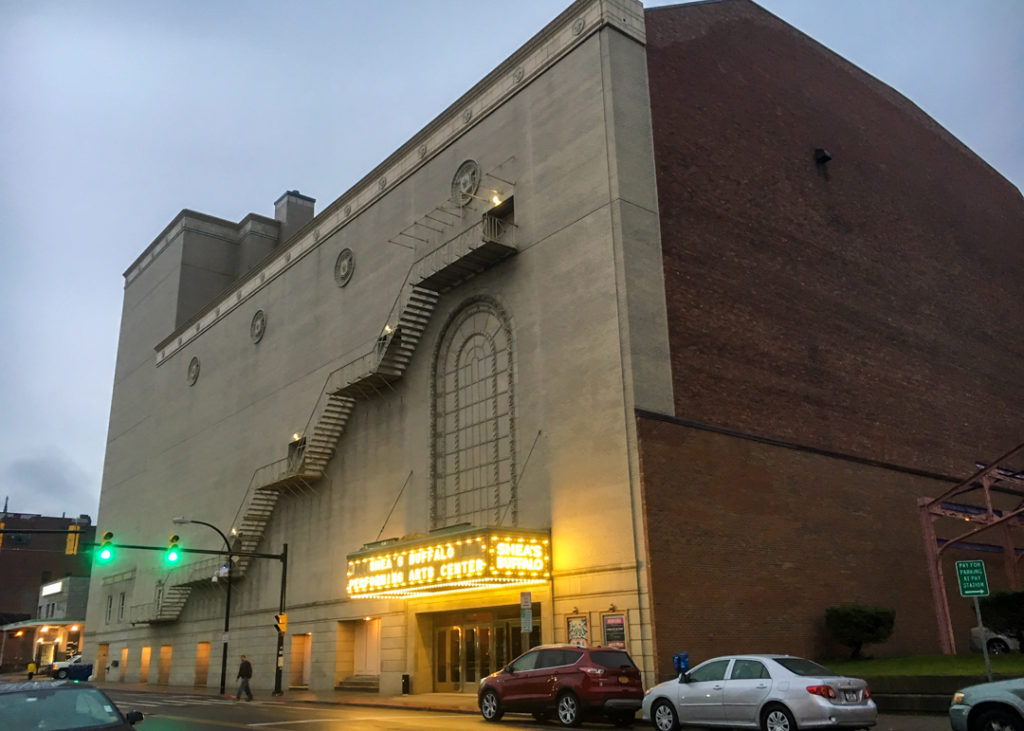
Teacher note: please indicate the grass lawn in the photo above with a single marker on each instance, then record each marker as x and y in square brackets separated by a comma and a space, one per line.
[973, 664]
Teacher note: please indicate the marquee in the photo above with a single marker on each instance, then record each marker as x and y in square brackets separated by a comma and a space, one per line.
[465, 559]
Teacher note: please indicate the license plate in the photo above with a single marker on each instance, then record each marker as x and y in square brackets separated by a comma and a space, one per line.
[851, 696]
[624, 679]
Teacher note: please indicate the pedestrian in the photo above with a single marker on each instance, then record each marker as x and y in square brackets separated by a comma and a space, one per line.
[31, 668]
[244, 674]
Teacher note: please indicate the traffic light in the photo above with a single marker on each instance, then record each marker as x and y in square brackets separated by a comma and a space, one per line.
[106, 552]
[172, 554]
[281, 622]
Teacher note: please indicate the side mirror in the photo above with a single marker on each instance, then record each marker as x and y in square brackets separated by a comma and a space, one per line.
[134, 717]
[509, 670]
[684, 677]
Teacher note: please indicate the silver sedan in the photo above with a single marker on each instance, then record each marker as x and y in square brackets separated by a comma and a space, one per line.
[767, 692]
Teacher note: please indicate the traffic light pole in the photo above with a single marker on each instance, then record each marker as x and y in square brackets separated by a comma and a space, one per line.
[280, 634]
[282, 557]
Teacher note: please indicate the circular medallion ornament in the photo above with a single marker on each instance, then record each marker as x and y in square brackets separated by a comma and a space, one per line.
[518, 75]
[193, 371]
[465, 183]
[258, 326]
[344, 266]
[578, 26]
[467, 115]
[348, 211]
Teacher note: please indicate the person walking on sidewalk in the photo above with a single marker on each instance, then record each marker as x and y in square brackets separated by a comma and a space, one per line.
[244, 674]
[31, 668]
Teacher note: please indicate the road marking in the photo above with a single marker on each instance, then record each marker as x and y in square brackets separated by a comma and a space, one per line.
[349, 719]
[205, 721]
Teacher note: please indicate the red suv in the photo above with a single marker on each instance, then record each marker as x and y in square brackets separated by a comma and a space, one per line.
[567, 681]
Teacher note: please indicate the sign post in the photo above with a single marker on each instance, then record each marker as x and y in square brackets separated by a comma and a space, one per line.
[973, 582]
[526, 618]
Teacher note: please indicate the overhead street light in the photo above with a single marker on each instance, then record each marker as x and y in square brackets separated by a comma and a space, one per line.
[181, 520]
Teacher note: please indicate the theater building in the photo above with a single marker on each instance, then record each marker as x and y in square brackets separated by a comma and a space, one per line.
[654, 338]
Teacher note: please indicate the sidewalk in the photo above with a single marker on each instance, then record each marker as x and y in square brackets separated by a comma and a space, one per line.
[453, 702]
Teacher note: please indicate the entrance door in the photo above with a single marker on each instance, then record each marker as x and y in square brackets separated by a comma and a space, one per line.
[102, 653]
[448, 660]
[478, 655]
[367, 647]
[298, 675]
[202, 664]
[163, 674]
[462, 655]
[144, 665]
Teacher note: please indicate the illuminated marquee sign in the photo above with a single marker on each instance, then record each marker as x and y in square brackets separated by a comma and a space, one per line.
[53, 588]
[463, 560]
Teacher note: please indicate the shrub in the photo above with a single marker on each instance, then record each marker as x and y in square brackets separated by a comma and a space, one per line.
[1003, 612]
[856, 625]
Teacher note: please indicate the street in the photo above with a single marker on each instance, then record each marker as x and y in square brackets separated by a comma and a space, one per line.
[187, 712]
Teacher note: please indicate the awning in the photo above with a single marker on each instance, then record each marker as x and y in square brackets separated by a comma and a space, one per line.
[25, 623]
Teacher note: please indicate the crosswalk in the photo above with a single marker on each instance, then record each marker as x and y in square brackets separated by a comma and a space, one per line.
[127, 700]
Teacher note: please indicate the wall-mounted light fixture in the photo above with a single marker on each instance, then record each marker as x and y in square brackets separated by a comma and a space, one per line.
[821, 159]
[611, 607]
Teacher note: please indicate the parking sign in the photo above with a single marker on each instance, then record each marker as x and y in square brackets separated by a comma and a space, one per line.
[971, 577]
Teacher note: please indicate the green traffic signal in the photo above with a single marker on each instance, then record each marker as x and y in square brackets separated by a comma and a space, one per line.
[106, 552]
[172, 554]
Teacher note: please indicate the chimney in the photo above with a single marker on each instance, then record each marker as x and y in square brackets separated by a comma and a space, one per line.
[294, 211]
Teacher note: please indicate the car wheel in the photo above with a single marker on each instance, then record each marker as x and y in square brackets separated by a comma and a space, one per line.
[490, 706]
[998, 647]
[777, 718]
[61, 674]
[663, 716]
[998, 720]
[568, 708]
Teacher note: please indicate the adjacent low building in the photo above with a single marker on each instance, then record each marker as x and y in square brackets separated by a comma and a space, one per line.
[652, 339]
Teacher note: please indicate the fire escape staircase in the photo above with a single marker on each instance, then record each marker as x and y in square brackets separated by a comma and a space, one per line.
[468, 253]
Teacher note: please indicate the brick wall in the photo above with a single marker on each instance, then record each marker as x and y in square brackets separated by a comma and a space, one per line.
[750, 543]
[876, 312]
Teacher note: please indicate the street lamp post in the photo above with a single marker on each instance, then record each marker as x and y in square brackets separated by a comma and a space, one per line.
[227, 606]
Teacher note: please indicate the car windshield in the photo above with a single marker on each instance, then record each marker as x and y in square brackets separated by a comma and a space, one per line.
[611, 659]
[800, 666]
[57, 709]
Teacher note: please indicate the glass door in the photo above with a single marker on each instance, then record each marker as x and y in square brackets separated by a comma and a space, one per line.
[448, 660]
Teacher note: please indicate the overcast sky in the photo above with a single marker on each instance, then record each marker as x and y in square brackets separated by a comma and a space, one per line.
[116, 114]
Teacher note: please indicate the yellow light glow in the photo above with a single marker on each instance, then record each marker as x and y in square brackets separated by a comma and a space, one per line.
[40, 640]
[496, 199]
[74, 628]
[463, 563]
[296, 437]
[43, 628]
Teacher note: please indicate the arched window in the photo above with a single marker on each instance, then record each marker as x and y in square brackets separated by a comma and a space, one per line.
[473, 447]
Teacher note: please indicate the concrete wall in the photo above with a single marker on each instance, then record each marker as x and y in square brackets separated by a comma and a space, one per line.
[577, 332]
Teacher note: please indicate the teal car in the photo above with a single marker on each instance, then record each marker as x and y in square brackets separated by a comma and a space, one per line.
[997, 706]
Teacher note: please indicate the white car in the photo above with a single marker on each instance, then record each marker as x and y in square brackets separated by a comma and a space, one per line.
[59, 669]
[998, 644]
[767, 692]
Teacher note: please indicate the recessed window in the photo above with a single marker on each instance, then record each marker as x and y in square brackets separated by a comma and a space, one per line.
[473, 446]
